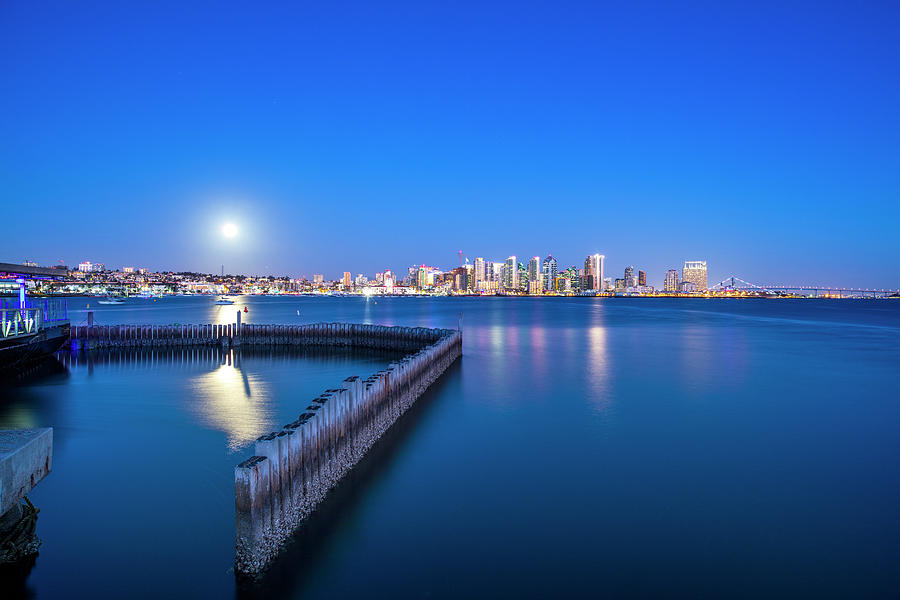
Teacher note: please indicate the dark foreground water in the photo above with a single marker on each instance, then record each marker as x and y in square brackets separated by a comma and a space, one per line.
[581, 448]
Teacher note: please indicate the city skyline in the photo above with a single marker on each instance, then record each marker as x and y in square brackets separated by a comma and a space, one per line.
[659, 281]
[364, 138]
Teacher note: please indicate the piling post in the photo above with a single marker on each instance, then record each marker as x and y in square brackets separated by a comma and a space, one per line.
[252, 491]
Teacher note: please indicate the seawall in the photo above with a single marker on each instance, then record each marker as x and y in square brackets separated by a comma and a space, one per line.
[293, 469]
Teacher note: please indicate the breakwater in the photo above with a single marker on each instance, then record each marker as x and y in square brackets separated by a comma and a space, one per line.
[90, 337]
[292, 469]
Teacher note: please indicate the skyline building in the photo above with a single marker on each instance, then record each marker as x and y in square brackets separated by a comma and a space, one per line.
[593, 272]
[534, 269]
[694, 272]
[629, 277]
[642, 278]
[511, 274]
[549, 272]
[479, 273]
[347, 279]
[670, 283]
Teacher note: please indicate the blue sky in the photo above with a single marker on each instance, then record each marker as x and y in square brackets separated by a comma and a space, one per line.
[764, 138]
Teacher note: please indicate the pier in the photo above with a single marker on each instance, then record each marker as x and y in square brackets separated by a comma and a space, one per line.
[293, 468]
[30, 329]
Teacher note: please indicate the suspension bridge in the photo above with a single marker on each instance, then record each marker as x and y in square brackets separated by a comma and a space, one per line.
[734, 283]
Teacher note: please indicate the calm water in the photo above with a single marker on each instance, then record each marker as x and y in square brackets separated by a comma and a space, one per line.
[581, 447]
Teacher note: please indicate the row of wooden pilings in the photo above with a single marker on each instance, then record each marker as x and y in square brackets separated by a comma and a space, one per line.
[90, 337]
[293, 469]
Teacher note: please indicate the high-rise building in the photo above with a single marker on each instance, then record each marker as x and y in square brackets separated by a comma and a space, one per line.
[694, 271]
[671, 282]
[593, 272]
[629, 277]
[348, 281]
[534, 269]
[511, 274]
[549, 272]
[318, 278]
[479, 273]
[642, 278]
[497, 273]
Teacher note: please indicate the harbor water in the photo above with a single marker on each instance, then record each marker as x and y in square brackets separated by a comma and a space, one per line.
[582, 447]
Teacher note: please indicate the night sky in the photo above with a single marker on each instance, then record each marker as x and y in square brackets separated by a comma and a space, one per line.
[763, 138]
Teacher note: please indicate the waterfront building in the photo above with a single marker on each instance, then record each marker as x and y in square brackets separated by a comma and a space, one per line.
[593, 272]
[511, 274]
[694, 271]
[671, 281]
[347, 281]
[479, 273]
[497, 273]
[523, 277]
[128, 269]
[460, 279]
[688, 287]
[318, 279]
[620, 286]
[534, 270]
[536, 287]
[642, 278]
[361, 280]
[629, 277]
[549, 272]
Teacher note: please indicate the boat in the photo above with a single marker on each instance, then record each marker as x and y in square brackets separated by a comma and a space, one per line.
[111, 300]
[224, 300]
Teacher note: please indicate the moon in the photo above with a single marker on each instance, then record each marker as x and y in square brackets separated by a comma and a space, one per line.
[229, 230]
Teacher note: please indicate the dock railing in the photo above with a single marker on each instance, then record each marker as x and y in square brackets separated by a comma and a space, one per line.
[20, 321]
[52, 309]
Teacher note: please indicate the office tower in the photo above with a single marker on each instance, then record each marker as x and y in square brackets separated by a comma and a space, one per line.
[549, 272]
[629, 277]
[347, 279]
[318, 278]
[671, 282]
[642, 278]
[593, 272]
[620, 285]
[497, 270]
[479, 273]
[534, 269]
[694, 271]
[511, 274]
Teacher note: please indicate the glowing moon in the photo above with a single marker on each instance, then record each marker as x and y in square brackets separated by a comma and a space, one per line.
[229, 230]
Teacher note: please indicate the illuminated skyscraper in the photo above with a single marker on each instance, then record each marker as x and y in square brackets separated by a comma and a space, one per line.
[642, 278]
[534, 269]
[511, 274]
[549, 272]
[629, 277]
[593, 272]
[479, 273]
[694, 271]
[671, 282]
[347, 280]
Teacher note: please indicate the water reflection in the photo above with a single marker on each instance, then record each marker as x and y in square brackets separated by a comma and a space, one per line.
[232, 401]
